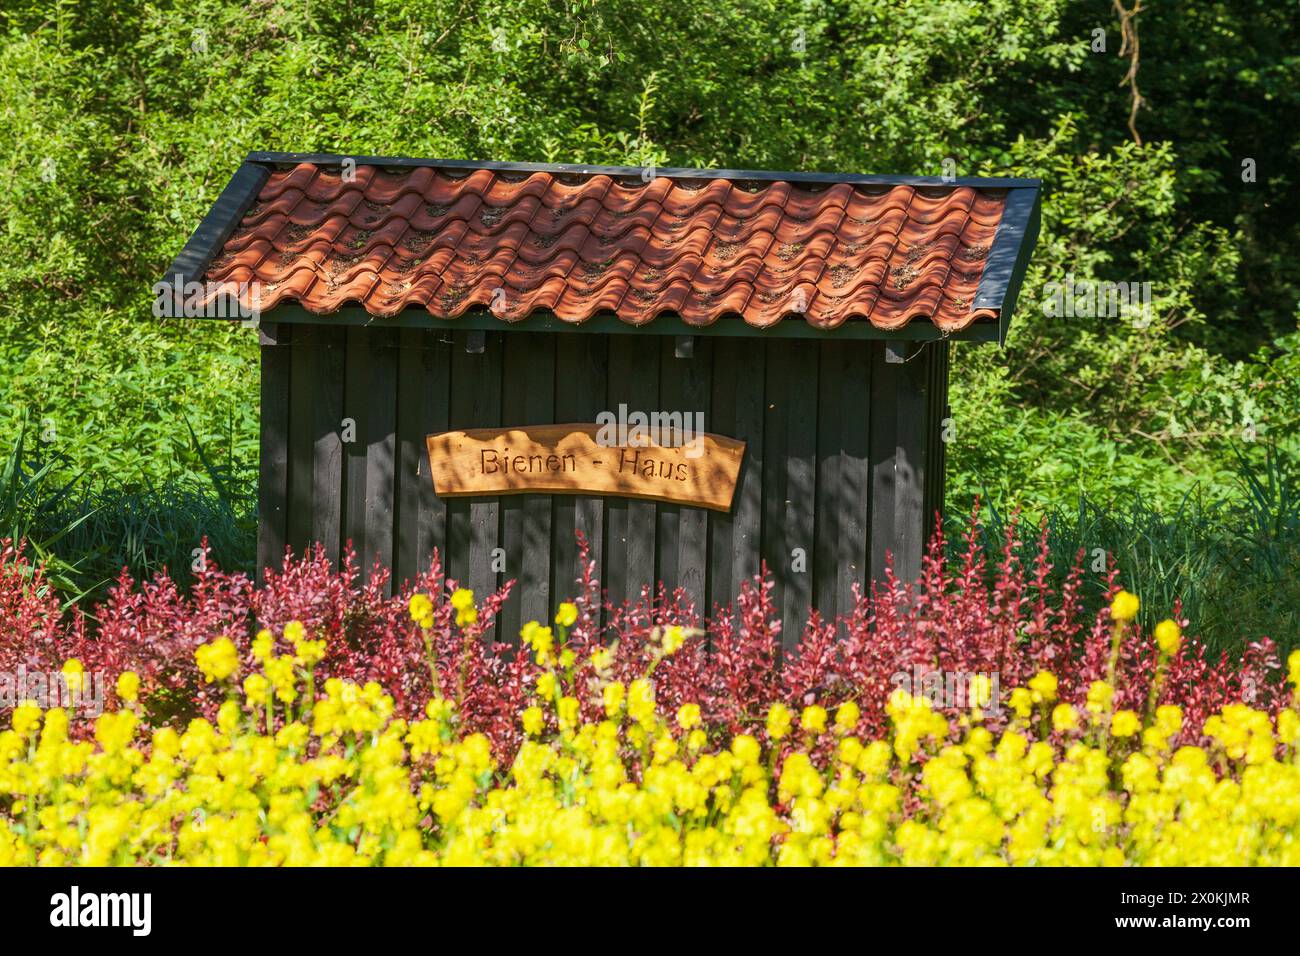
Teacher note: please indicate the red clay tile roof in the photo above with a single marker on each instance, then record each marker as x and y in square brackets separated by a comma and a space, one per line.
[518, 241]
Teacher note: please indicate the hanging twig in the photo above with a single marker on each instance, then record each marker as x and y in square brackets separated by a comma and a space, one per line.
[1129, 47]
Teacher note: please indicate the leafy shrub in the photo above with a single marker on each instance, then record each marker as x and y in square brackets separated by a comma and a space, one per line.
[1005, 621]
[604, 774]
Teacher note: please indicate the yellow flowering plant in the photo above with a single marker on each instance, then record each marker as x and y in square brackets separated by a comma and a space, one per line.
[392, 730]
[345, 781]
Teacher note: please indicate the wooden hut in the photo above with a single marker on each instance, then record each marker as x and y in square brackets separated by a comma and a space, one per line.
[424, 324]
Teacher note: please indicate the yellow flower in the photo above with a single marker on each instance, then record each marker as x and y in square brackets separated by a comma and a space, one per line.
[1022, 701]
[1168, 637]
[257, 689]
[1043, 685]
[308, 653]
[688, 716]
[294, 632]
[128, 686]
[540, 639]
[462, 600]
[263, 646]
[673, 639]
[26, 718]
[847, 716]
[1100, 695]
[745, 748]
[533, 721]
[1124, 606]
[602, 658]
[74, 675]
[567, 711]
[613, 698]
[641, 702]
[217, 660]
[546, 685]
[778, 721]
[1125, 723]
[566, 615]
[1293, 668]
[421, 609]
[1064, 717]
[813, 719]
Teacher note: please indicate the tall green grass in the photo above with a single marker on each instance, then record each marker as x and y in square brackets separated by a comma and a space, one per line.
[86, 529]
[1233, 561]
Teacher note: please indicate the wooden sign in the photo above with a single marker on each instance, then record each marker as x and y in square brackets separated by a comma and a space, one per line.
[567, 459]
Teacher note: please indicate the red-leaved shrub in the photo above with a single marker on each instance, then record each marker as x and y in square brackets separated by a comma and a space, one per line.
[956, 619]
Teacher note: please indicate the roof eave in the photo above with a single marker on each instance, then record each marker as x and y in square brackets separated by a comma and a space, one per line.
[670, 172]
[1004, 270]
[222, 219]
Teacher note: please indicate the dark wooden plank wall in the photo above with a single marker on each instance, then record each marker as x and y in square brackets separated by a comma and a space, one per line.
[844, 462]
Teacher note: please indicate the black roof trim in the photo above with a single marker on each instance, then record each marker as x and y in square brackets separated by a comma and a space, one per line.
[218, 224]
[671, 172]
[1008, 258]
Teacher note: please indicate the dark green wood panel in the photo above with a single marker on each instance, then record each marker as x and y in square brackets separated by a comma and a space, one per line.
[630, 523]
[683, 532]
[528, 398]
[423, 408]
[737, 410]
[304, 361]
[380, 436]
[789, 479]
[581, 374]
[843, 475]
[474, 523]
[356, 400]
[325, 418]
[273, 452]
[898, 466]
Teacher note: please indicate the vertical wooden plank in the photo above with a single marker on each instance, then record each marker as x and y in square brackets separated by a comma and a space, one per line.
[315, 447]
[885, 379]
[581, 373]
[683, 532]
[843, 472]
[273, 452]
[528, 398]
[423, 407]
[303, 369]
[738, 410]
[326, 418]
[369, 426]
[630, 524]
[356, 396]
[853, 560]
[938, 400]
[381, 451]
[801, 485]
[911, 465]
[474, 523]
[898, 435]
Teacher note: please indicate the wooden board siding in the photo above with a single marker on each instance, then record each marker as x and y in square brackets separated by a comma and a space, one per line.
[273, 470]
[844, 460]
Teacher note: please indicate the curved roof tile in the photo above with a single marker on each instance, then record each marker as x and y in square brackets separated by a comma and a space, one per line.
[447, 238]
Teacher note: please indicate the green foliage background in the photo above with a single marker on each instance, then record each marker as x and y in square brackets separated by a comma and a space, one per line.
[122, 121]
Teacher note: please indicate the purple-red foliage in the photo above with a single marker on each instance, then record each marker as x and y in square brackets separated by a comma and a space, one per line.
[955, 619]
